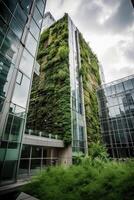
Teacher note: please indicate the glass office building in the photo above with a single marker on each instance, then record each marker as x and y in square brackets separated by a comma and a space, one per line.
[20, 26]
[116, 103]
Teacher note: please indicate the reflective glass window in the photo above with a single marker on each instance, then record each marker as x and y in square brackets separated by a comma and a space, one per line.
[113, 90]
[11, 4]
[17, 110]
[19, 78]
[24, 166]
[132, 81]
[130, 122]
[8, 127]
[40, 5]
[35, 165]
[1, 37]
[3, 29]
[14, 128]
[1, 103]
[12, 151]
[26, 64]
[17, 29]
[108, 91]
[6, 70]
[26, 5]
[31, 44]
[10, 46]
[128, 85]
[25, 153]
[17, 128]
[81, 133]
[21, 92]
[9, 170]
[20, 16]
[36, 152]
[37, 17]
[3, 26]
[34, 29]
[3, 147]
[4, 12]
[119, 87]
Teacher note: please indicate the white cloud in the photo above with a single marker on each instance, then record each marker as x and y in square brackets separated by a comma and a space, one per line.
[108, 26]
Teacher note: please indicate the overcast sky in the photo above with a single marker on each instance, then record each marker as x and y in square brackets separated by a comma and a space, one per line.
[108, 26]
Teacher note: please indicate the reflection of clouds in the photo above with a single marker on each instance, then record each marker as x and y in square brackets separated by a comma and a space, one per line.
[26, 64]
[103, 23]
[21, 92]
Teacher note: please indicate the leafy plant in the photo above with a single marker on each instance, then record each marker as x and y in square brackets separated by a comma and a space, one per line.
[91, 80]
[49, 109]
[89, 181]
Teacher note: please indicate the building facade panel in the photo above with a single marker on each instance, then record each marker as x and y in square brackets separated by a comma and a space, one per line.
[17, 56]
[116, 102]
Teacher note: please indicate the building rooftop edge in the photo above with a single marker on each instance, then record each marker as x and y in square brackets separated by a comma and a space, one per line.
[117, 81]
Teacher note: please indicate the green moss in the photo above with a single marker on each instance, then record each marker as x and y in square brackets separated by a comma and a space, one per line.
[49, 109]
[91, 80]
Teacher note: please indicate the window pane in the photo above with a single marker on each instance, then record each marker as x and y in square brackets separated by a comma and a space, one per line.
[119, 88]
[21, 92]
[19, 78]
[17, 29]
[1, 103]
[128, 85]
[17, 129]
[37, 17]
[8, 127]
[4, 12]
[40, 6]
[6, 70]
[20, 16]
[36, 152]
[10, 46]
[34, 29]
[26, 64]
[24, 166]
[26, 5]
[35, 165]
[9, 170]
[11, 4]
[31, 44]
[25, 153]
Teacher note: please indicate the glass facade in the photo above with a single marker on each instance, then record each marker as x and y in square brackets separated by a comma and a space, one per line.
[116, 104]
[35, 158]
[20, 26]
[79, 137]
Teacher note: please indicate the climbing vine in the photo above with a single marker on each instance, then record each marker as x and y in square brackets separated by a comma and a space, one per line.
[49, 109]
[91, 80]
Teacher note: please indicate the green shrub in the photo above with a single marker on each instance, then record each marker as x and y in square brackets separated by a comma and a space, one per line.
[63, 52]
[87, 181]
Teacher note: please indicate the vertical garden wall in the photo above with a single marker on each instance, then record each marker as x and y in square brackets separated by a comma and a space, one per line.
[91, 80]
[49, 109]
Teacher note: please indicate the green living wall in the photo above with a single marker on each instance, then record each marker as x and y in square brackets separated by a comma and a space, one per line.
[49, 109]
[91, 80]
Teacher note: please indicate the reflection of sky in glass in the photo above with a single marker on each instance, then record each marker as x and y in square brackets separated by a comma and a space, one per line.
[37, 16]
[77, 118]
[26, 63]
[21, 92]
[31, 44]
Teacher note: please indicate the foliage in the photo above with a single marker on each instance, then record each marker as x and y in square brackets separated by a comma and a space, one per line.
[87, 181]
[97, 150]
[49, 109]
[91, 80]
